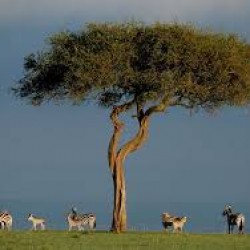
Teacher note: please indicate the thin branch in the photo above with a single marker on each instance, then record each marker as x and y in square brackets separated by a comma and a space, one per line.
[161, 107]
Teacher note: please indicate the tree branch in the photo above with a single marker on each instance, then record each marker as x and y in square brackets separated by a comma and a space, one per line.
[118, 129]
[138, 140]
[161, 107]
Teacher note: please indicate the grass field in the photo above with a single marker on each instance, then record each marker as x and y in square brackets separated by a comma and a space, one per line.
[61, 240]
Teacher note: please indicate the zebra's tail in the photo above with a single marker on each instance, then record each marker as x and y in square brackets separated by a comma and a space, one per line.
[95, 224]
[241, 225]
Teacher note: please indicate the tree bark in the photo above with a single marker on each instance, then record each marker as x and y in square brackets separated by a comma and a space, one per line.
[116, 164]
[119, 223]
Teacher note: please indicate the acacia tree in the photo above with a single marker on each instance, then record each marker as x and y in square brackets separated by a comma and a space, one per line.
[144, 68]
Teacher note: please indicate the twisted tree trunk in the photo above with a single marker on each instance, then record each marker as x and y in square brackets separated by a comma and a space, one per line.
[116, 163]
[117, 157]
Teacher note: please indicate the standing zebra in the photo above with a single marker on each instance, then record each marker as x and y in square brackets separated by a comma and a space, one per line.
[36, 222]
[234, 219]
[167, 220]
[173, 221]
[178, 223]
[5, 220]
[81, 220]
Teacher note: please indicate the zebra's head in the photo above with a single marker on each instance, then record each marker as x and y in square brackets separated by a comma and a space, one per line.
[30, 216]
[227, 210]
[74, 210]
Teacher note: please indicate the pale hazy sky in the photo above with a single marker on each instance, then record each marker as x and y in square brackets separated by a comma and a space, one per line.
[61, 151]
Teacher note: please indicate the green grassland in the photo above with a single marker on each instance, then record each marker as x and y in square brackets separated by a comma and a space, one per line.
[62, 240]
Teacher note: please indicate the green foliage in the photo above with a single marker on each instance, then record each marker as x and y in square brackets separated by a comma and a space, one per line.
[112, 64]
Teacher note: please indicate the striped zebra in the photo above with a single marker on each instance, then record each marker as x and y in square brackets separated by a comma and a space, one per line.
[36, 222]
[5, 220]
[234, 219]
[167, 220]
[178, 223]
[173, 221]
[81, 221]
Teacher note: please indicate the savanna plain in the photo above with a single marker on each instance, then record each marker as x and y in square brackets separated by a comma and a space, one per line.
[55, 240]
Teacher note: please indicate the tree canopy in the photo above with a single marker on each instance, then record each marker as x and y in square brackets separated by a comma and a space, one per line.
[113, 64]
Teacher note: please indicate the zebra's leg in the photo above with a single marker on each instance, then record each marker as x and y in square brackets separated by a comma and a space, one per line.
[42, 226]
[232, 229]
[91, 226]
[8, 226]
[94, 226]
[240, 227]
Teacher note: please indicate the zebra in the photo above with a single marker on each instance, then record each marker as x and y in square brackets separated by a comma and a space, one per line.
[5, 220]
[167, 220]
[178, 223]
[36, 222]
[81, 220]
[234, 219]
[173, 221]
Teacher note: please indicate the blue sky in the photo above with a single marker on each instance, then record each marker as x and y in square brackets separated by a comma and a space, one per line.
[60, 152]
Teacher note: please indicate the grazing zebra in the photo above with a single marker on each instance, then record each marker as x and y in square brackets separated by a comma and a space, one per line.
[80, 221]
[173, 221]
[36, 222]
[234, 219]
[5, 220]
